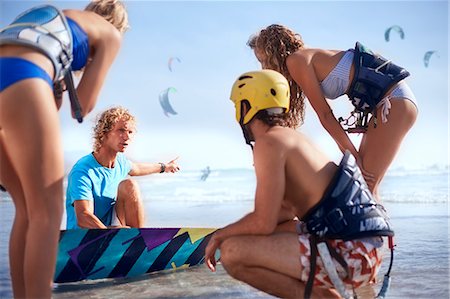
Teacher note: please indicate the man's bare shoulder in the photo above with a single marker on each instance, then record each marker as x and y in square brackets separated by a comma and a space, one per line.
[279, 139]
[283, 135]
[273, 135]
[289, 144]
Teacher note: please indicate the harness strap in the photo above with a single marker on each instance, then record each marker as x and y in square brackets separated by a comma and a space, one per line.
[342, 262]
[387, 279]
[331, 269]
[337, 257]
[326, 251]
[312, 266]
[73, 96]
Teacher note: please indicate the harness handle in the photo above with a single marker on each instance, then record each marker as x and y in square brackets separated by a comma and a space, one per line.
[357, 122]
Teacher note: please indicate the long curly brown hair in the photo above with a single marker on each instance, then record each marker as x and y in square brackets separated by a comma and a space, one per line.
[277, 42]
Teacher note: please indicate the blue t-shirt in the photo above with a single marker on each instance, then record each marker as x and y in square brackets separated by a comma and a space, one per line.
[89, 180]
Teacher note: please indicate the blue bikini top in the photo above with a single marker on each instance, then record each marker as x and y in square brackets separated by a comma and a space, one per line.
[80, 44]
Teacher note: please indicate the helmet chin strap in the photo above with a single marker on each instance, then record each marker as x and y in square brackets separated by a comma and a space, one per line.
[247, 134]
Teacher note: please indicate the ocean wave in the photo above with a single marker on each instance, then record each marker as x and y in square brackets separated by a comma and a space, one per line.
[199, 194]
[432, 170]
[415, 197]
[430, 185]
[201, 199]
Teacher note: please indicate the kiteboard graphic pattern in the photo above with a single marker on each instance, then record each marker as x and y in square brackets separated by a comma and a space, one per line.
[127, 252]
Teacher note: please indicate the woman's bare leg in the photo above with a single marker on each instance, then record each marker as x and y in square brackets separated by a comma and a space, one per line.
[32, 142]
[10, 181]
[380, 145]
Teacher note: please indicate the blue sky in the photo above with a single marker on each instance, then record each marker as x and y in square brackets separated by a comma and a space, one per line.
[210, 39]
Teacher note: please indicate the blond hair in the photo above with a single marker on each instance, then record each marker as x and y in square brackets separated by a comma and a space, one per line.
[106, 121]
[277, 42]
[113, 11]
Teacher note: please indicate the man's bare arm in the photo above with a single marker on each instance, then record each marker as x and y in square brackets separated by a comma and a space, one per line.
[84, 210]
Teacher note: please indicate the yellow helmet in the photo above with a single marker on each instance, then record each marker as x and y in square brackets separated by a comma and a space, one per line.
[264, 90]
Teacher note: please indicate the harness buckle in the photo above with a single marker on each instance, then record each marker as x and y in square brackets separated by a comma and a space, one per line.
[335, 220]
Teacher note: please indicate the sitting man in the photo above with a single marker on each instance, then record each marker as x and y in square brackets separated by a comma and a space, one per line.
[99, 194]
[314, 223]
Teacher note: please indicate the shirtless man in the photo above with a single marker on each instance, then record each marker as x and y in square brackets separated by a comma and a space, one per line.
[265, 248]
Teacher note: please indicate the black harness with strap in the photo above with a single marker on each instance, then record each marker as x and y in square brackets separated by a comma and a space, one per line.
[374, 76]
[348, 211]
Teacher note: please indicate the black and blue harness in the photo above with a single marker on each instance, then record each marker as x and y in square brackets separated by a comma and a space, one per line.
[374, 76]
[348, 211]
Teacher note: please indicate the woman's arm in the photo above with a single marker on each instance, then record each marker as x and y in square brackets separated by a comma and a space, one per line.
[104, 43]
[302, 71]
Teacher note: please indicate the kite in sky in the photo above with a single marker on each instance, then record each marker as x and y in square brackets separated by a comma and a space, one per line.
[427, 56]
[170, 62]
[395, 28]
[164, 101]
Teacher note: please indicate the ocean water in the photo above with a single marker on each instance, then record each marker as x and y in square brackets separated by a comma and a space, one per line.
[417, 201]
[238, 185]
[230, 185]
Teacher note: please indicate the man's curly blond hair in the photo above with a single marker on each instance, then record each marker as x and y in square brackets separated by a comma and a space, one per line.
[113, 11]
[105, 123]
[277, 42]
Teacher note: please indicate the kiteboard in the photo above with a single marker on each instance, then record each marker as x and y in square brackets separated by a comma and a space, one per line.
[127, 252]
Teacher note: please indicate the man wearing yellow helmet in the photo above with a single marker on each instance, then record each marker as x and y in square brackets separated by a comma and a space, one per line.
[303, 201]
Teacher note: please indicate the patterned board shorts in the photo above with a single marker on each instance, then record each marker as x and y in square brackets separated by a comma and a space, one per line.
[363, 259]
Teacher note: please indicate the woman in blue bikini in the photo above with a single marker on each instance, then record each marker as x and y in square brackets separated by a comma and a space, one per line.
[375, 86]
[38, 52]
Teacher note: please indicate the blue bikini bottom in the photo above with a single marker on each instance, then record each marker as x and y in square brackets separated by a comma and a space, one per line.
[14, 69]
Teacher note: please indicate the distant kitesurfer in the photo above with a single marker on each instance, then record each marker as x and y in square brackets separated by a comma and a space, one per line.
[205, 173]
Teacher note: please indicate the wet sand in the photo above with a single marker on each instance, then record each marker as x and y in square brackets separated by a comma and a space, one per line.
[195, 282]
